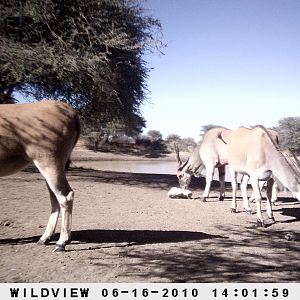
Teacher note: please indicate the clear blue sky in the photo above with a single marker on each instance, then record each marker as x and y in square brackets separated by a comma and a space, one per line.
[228, 62]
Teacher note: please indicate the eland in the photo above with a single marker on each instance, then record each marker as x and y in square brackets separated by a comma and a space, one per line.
[254, 153]
[211, 154]
[43, 133]
[272, 185]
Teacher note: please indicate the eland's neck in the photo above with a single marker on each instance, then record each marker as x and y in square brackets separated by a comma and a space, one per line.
[194, 162]
[284, 169]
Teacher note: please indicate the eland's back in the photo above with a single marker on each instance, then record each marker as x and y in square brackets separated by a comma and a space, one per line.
[28, 132]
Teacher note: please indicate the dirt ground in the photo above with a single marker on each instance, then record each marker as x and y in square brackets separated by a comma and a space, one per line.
[126, 229]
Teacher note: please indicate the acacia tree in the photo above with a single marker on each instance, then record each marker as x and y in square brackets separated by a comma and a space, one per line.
[289, 134]
[86, 53]
[173, 138]
[155, 135]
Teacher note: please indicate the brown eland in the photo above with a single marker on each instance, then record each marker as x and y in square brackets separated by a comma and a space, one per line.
[44, 133]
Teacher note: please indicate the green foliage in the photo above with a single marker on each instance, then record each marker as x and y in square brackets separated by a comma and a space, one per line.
[185, 144]
[87, 53]
[289, 134]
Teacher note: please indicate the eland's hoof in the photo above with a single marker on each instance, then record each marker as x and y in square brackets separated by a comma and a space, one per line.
[260, 223]
[58, 248]
[272, 219]
[43, 242]
[221, 198]
[249, 211]
[203, 199]
[290, 236]
[233, 210]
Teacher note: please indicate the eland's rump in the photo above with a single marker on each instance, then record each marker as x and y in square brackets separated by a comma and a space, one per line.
[44, 133]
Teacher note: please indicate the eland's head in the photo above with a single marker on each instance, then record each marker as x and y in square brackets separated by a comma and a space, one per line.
[183, 174]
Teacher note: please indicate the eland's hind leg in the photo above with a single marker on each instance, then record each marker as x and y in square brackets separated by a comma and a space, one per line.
[65, 196]
[234, 188]
[222, 182]
[50, 229]
[56, 179]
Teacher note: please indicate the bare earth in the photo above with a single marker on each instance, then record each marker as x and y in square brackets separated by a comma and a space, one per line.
[126, 229]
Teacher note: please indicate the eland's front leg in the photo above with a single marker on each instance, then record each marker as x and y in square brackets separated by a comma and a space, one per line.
[261, 186]
[274, 192]
[258, 198]
[244, 184]
[270, 191]
[209, 178]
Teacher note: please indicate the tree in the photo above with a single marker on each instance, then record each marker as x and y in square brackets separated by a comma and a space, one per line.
[171, 139]
[155, 135]
[205, 128]
[185, 144]
[289, 134]
[87, 53]
[189, 143]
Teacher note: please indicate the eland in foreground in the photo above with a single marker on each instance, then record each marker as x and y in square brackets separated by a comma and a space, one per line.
[44, 133]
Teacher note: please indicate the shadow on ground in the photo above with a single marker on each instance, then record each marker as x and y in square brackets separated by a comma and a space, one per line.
[238, 254]
[136, 237]
[253, 256]
[156, 181]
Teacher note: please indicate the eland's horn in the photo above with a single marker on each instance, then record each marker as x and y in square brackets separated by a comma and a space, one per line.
[177, 154]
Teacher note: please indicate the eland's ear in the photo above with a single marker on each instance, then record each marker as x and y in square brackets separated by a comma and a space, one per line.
[177, 154]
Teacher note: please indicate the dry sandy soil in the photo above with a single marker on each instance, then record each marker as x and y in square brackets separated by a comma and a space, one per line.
[126, 229]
